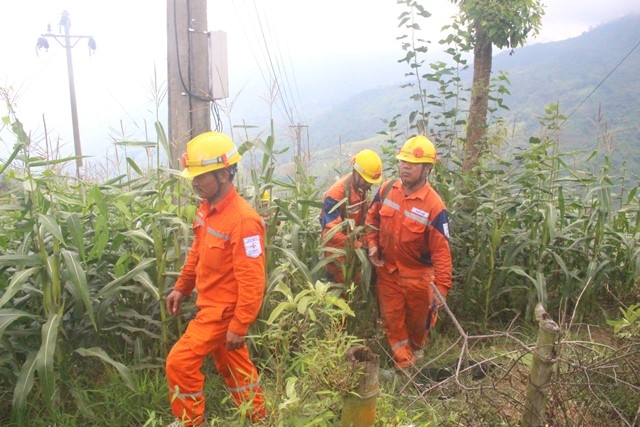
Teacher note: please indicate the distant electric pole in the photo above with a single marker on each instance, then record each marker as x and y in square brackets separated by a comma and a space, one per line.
[297, 131]
[68, 41]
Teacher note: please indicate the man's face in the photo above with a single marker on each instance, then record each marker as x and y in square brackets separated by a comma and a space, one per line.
[411, 173]
[360, 183]
[206, 185]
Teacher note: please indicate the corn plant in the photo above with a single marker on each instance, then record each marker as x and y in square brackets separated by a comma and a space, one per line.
[541, 231]
[84, 268]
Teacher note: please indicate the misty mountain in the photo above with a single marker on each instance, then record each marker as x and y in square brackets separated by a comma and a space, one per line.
[593, 78]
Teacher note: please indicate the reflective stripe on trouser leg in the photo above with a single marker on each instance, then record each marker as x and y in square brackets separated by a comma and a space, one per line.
[185, 384]
[418, 309]
[392, 310]
[208, 329]
[241, 378]
[403, 306]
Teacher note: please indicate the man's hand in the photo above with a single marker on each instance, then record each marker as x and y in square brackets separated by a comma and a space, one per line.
[435, 307]
[374, 257]
[173, 302]
[234, 341]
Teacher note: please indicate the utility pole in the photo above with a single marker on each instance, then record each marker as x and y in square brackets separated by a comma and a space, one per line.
[297, 131]
[65, 22]
[188, 77]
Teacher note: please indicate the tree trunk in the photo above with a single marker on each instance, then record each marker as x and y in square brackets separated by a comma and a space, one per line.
[544, 357]
[477, 123]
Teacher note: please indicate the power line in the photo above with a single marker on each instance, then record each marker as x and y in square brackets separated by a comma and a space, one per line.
[288, 92]
[276, 68]
[271, 67]
[601, 82]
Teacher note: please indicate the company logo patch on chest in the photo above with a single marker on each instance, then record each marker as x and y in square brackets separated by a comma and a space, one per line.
[252, 246]
[420, 212]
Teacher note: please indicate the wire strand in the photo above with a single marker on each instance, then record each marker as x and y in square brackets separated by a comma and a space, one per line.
[601, 82]
[175, 35]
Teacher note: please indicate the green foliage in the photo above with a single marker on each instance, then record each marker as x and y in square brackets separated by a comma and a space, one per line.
[628, 326]
[534, 230]
[97, 396]
[507, 24]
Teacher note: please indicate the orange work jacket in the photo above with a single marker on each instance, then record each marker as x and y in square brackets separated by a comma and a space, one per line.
[226, 263]
[411, 233]
[354, 208]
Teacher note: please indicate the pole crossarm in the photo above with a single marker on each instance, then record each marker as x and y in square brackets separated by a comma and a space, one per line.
[59, 37]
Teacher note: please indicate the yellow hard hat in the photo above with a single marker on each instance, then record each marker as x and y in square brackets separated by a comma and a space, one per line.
[207, 152]
[368, 165]
[418, 149]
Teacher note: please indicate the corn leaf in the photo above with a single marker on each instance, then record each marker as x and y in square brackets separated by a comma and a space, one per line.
[19, 260]
[144, 279]
[138, 234]
[48, 223]
[113, 286]
[17, 280]
[134, 165]
[75, 230]
[293, 258]
[282, 307]
[16, 149]
[10, 315]
[124, 372]
[49, 162]
[45, 359]
[79, 282]
[24, 384]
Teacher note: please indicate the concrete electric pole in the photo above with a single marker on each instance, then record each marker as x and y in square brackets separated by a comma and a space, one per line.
[69, 41]
[188, 78]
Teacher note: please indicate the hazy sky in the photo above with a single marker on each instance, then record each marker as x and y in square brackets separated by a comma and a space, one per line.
[113, 84]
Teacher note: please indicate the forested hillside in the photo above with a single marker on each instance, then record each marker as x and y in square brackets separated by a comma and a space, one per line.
[596, 72]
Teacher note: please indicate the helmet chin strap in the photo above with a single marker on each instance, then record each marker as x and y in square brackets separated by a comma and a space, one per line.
[215, 176]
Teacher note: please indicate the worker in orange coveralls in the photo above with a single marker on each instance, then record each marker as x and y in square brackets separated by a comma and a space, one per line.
[351, 191]
[226, 265]
[408, 241]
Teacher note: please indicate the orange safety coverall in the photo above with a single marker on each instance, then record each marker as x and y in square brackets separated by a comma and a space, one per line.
[355, 208]
[412, 236]
[226, 265]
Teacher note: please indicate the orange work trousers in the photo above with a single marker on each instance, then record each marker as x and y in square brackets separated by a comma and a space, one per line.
[404, 307]
[206, 335]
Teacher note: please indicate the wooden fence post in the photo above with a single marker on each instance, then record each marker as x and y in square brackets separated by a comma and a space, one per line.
[544, 357]
[359, 410]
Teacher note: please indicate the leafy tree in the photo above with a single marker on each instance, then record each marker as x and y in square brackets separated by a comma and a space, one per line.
[505, 24]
